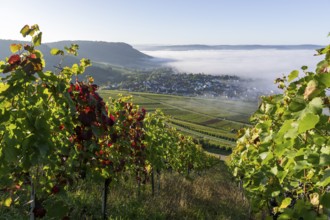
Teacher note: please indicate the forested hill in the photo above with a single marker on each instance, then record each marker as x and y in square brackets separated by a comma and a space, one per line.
[227, 47]
[104, 56]
[121, 54]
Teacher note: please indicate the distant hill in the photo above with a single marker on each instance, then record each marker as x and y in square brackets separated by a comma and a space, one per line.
[226, 47]
[104, 56]
[121, 54]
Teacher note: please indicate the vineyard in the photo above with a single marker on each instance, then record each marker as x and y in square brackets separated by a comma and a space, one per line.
[56, 134]
[71, 151]
[213, 122]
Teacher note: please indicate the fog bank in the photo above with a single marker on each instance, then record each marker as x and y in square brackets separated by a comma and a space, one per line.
[265, 65]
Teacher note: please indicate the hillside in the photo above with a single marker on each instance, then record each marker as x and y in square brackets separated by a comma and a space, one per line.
[213, 122]
[226, 47]
[109, 59]
[121, 54]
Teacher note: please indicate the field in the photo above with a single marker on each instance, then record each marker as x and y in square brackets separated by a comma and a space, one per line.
[214, 120]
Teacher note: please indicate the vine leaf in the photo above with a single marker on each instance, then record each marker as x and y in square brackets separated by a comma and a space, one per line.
[294, 74]
[25, 30]
[316, 105]
[285, 203]
[308, 122]
[325, 79]
[14, 59]
[325, 200]
[75, 68]
[8, 202]
[15, 47]
[311, 90]
[55, 51]
[324, 159]
[285, 127]
[37, 39]
[326, 178]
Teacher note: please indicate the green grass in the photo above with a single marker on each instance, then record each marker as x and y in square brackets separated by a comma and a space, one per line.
[210, 194]
[214, 119]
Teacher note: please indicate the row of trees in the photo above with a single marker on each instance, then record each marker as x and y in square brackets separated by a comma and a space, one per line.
[54, 132]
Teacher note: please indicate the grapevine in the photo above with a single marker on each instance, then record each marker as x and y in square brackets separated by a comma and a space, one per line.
[56, 131]
[284, 159]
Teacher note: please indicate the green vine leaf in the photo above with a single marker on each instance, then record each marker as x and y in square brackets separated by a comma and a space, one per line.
[25, 30]
[8, 202]
[325, 200]
[285, 203]
[55, 51]
[326, 178]
[287, 125]
[325, 79]
[308, 122]
[294, 74]
[15, 47]
[37, 39]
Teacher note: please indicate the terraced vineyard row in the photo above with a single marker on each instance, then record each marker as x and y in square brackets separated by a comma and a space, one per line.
[214, 120]
[217, 133]
[198, 135]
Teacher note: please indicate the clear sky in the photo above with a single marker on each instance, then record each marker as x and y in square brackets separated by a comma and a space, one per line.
[171, 21]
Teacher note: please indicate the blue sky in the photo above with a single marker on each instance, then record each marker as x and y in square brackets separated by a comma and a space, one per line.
[172, 21]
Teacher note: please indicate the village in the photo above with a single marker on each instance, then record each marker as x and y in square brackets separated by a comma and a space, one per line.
[188, 84]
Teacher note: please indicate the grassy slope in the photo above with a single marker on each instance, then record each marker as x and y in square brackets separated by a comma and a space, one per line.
[210, 194]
